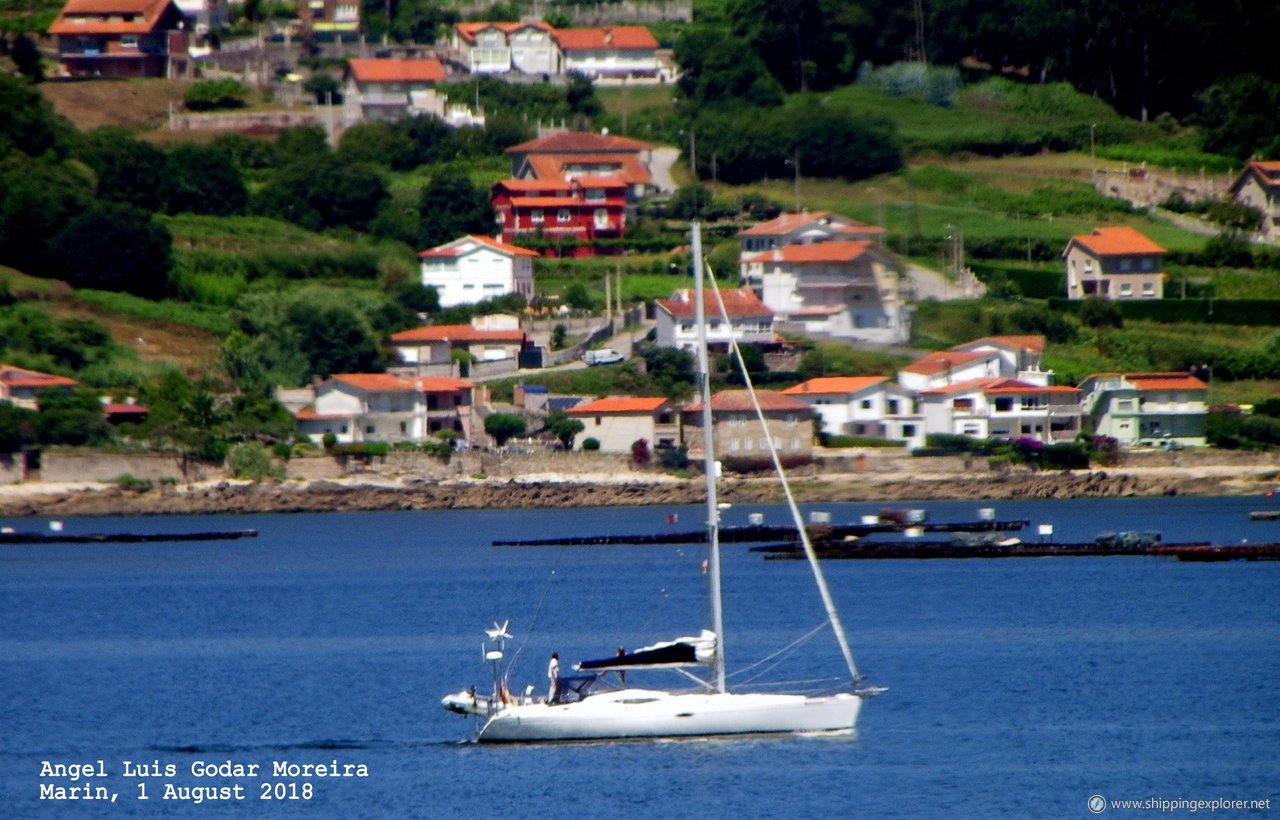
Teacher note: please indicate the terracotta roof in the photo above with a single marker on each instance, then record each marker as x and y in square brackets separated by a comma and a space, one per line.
[534, 185]
[1016, 386]
[397, 71]
[618, 404]
[626, 167]
[941, 361]
[1115, 242]
[17, 377]
[461, 246]
[146, 12]
[579, 142]
[841, 251]
[833, 384]
[1159, 381]
[740, 400]
[468, 30]
[386, 382]
[1268, 170]
[996, 385]
[786, 223]
[456, 333]
[119, 408]
[572, 39]
[1034, 344]
[737, 302]
[549, 202]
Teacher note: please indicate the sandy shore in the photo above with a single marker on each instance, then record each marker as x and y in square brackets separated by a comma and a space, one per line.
[633, 489]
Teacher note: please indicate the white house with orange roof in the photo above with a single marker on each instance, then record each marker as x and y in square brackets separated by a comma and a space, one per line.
[609, 52]
[1155, 409]
[572, 155]
[870, 406]
[23, 387]
[499, 48]
[839, 288]
[1020, 356]
[391, 89]
[736, 428]
[358, 407]
[473, 268]
[1114, 263]
[807, 228]
[429, 350]
[750, 320]
[617, 422]
[1258, 186]
[1002, 408]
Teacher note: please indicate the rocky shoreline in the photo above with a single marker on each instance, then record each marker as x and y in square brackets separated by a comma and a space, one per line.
[349, 495]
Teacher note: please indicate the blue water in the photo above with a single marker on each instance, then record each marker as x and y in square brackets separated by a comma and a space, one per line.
[1017, 688]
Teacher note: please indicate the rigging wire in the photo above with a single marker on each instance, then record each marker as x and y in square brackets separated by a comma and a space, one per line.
[818, 576]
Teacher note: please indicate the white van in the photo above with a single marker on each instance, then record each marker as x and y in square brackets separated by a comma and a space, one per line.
[602, 356]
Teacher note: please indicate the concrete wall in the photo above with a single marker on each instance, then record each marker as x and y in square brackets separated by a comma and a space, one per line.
[75, 467]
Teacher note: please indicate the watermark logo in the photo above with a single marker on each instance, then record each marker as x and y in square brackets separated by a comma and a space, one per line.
[1097, 804]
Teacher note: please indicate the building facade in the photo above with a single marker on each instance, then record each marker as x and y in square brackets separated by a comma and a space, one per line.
[387, 90]
[122, 38]
[1258, 186]
[736, 431]
[865, 406]
[804, 229]
[618, 422]
[1003, 408]
[750, 320]
[359, 407]
[843, 289]
[1114, 263]
[475, 268]
[581, 210]
[1153, 409]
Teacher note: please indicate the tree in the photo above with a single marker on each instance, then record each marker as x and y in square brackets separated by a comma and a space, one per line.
[37, 199]
[29, 123]
[71, 417]
[378, 143]
[718, 69]
[578, 297]
[326, 89]
[302, 140]
[503, 426]
[26, 56]
[804, 43]
[202, 180]
[129, 170]
[319, 192]
[451, 206]
[640, 454]
[253, 461]
[564, 428]
[1096, 311]
[689, 202]
[17, 427]
[88, 252]
[214, 94]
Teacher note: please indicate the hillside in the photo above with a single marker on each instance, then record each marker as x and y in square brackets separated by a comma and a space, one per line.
[132, 104]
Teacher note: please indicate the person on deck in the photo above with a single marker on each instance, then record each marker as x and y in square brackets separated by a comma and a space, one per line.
[553, 675]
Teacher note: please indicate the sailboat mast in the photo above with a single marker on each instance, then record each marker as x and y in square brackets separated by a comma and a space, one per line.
[709, 457]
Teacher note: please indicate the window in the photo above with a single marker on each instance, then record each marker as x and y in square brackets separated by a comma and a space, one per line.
[1148, 263]
[764, 444]
[1126, 265]
[1126, 289]
[129, 41]
[1148, 289]
[562, 215]
[371, 429]
[602, 218]
[1004, 404]
[536, 216]
[595, 195]
[893, 407]
[404, 427]
[908, 430]
[737, 420]
[792, 419]
[962, 404]
[734, 445]
[865, 404]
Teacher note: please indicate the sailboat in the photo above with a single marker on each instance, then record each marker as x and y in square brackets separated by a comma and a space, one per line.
[573, 711]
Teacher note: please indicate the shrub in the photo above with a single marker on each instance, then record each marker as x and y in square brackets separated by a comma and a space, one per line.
[131, 483]
[591, 445]
[640, 452]
[214, 94]
[252, 460]
[329, 441]
[673, 458]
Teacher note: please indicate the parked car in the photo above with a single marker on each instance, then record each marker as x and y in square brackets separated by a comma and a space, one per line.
[603, 356]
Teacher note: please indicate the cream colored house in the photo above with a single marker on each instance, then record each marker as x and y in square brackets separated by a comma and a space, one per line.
[1258, 186]
[1114, 263]
[23, 387]
[620, 421]
[429, 350]
[750, 320]
[1002, 408]
[358, 407]
[804, 229]
[839, 288]
[1146, 408]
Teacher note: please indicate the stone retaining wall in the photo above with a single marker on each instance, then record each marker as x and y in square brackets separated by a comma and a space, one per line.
[76, 467]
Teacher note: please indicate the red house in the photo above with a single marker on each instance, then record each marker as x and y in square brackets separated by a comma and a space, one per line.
[584, 209]
[122, 38]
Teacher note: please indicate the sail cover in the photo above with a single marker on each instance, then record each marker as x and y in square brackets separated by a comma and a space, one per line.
[690, 651]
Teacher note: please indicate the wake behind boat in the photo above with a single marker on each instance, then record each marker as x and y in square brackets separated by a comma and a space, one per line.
[584, 707]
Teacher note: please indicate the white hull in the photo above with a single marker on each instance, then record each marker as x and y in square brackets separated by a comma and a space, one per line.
[640, 713]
